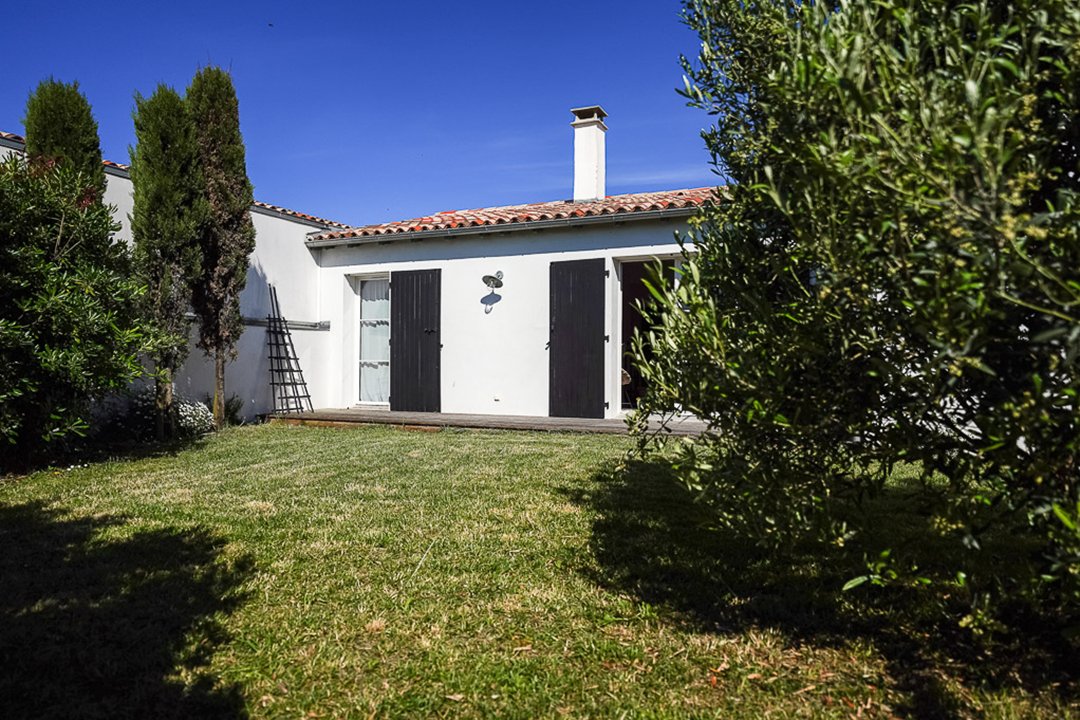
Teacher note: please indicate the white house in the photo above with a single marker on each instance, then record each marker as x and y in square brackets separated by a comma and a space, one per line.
[516, 310]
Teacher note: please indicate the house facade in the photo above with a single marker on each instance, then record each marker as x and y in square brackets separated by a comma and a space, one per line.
[517, 310]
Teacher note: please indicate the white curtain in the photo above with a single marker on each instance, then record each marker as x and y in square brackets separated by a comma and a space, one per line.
[375, 341]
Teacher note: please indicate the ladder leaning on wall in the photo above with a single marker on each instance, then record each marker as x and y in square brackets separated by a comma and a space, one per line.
[286, 378]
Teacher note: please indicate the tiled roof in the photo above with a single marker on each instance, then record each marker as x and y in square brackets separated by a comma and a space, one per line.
[266, 206]
[300, 215]
[518, 215]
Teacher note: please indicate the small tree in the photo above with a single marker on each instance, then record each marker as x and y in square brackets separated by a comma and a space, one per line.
[69, 330]
[893, 276]
[60, 127]
[228, 237]
[167, 219]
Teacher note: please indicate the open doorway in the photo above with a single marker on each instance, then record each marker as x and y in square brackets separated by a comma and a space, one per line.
[634, 293]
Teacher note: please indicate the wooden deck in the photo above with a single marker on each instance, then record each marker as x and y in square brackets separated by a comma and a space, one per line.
[345, 417]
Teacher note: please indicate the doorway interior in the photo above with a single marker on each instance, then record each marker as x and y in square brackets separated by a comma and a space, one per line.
[634, 273]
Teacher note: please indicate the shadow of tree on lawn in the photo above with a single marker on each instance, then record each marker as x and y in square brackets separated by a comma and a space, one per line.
[652, 540]
[96, 621]
[103, 446]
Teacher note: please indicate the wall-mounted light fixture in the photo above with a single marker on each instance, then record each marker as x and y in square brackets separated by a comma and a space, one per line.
[493, 282]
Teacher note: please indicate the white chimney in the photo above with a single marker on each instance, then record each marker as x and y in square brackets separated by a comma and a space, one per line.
[589, 156]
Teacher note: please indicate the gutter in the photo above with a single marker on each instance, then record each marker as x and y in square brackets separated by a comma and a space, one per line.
[14, 145]
[536, 225]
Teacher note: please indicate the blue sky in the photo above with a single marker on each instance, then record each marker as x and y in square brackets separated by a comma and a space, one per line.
[373, 111]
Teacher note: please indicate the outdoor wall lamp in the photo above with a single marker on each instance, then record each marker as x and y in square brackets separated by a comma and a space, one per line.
[493, 282]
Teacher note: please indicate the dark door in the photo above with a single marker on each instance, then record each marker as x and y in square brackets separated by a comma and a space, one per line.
[576, 344]
[414, 340]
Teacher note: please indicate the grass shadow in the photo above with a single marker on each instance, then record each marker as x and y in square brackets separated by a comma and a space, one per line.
[651, 539]
[101, 447]
[96, 622]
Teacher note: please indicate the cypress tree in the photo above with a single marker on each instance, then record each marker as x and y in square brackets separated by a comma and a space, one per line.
[60, 128]
[228, 236]
[168, 216]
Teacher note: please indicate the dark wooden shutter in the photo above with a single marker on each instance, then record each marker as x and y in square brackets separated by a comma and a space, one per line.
[576, 348]
[415, 340]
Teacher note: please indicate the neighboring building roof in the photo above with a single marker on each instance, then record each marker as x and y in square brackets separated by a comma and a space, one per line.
[535, 216]
[125, 169]
[299, 215]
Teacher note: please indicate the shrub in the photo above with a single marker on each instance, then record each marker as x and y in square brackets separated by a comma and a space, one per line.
[69, 332]
[892, 278]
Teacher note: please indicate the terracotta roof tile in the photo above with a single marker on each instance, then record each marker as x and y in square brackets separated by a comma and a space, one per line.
[535, 212]
[300, 215]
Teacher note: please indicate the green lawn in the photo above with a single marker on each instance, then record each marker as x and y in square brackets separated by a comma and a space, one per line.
[300, 572]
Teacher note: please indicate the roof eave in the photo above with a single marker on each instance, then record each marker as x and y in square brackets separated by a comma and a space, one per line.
[323, 227]
[611, 218]
[13, 144]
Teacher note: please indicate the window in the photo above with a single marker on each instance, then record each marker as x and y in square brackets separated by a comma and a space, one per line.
[375, 340]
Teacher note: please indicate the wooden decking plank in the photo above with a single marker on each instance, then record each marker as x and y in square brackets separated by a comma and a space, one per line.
[338, 417]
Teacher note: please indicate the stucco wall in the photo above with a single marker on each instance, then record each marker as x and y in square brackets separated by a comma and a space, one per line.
[493, 362]
[118, 194]
[280, 258]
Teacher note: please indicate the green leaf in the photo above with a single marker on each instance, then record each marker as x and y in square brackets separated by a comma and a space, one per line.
[855, 582]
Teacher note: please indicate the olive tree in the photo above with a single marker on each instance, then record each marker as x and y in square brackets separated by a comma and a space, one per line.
[892, 276]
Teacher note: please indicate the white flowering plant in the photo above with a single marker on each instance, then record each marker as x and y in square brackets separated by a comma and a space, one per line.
[191, 417]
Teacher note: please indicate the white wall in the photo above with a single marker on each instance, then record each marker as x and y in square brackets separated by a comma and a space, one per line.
[495, 362]
[118, 194]
[280, 258]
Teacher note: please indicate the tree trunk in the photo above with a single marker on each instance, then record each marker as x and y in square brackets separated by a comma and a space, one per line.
[170, 414]
[163, 404]
[219, 390]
